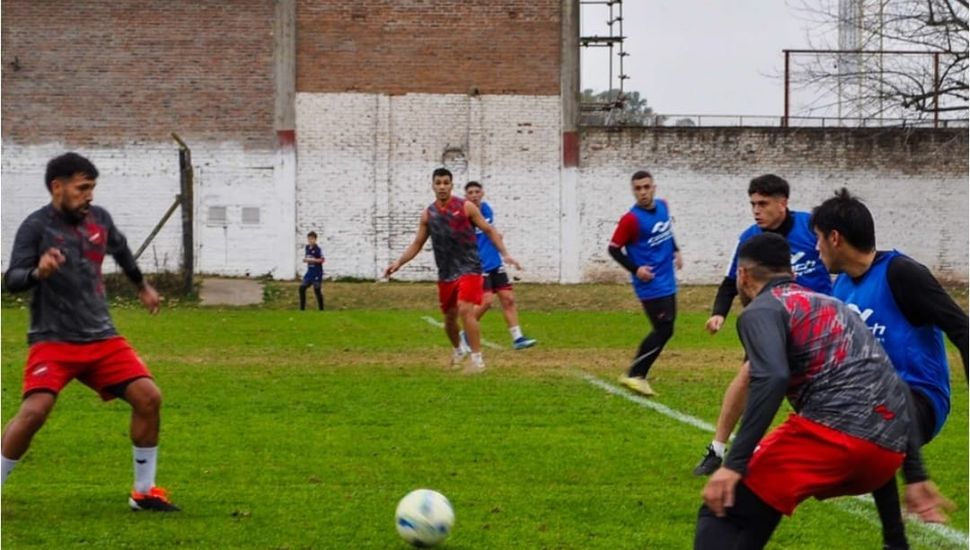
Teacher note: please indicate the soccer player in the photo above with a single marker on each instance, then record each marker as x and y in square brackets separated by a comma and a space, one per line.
[768, 195]
[496, 278]
[852, 425]
[907, 311]
[646, 234]
[57, 252]
[313, 258]
[450, 222]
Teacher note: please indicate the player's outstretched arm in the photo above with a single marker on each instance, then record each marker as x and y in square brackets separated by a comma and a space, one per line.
[475, 216]
[412, 250]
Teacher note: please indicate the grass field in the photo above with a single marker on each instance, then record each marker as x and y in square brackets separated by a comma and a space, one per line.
[287, 429]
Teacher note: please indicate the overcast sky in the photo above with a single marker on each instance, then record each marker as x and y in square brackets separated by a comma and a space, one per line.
[700, 56]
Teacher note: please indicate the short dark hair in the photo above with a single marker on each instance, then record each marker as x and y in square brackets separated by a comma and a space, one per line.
[472, 184]
[442, 172]
[849, 216]
[66, 165]
[640, 174]
[766, 254]
[312, 234]
[769, 185]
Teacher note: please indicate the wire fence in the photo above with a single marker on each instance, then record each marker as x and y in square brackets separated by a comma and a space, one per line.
[768, 121]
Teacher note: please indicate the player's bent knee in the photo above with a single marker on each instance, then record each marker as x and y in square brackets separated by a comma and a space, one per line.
[144, 396]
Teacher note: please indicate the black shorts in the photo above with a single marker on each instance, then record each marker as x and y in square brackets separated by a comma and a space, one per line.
[497, 279]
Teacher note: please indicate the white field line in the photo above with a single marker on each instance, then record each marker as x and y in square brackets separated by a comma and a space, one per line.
[926, 534]
[439, 324]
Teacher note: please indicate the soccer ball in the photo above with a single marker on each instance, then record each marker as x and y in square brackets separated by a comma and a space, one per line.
[424, 518]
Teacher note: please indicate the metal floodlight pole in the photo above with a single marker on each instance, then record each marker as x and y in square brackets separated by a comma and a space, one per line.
[936, 89]
[784, 120]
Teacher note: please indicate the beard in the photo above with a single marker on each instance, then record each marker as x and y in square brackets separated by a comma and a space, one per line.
[76, 215]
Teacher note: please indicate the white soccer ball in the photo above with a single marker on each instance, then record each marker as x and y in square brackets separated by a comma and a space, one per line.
[424, 518]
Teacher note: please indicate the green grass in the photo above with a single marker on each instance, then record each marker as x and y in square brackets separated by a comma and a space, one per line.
[284, 429]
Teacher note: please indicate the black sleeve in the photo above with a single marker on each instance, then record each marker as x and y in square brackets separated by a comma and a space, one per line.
[764, 334]
[23, 259]
[118, 248]
[923, 301]
[622, 259]
[913, 469]
[725, 295]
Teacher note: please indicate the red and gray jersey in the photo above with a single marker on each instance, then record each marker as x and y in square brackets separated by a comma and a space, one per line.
[816, 351]
[70, 305]
[453, 239]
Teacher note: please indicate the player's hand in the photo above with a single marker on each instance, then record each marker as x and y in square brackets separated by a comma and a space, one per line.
[644, 273]
[512, 262]
[391, 269]
[718, 494]
[149, 298]
[924, 500]
[678, 261]
[50, 262]
[714, 324]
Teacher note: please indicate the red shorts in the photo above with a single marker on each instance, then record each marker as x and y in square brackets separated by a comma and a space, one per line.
[802, 459]
[99, 365]
[467, 288]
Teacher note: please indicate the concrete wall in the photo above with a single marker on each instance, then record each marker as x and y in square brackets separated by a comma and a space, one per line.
[914, 182]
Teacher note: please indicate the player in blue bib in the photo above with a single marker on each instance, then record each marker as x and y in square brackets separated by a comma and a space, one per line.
[313, 258]
[768, 195]
[647, 236]
[907, 310]
[493, 270]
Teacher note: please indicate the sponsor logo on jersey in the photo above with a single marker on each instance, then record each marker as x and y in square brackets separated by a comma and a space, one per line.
[799, 267]
[879, 331]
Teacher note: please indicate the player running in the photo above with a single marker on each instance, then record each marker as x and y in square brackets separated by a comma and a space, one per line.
[768, 195]
[58, 253]
[852, 425]
[496, 278]
[645, 232]
[450, 222]
[907, 311]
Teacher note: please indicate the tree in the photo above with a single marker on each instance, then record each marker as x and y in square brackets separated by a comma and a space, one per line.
[910, 86]
[610, 107]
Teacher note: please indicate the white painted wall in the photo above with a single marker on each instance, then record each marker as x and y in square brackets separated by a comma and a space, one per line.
[138, 183]
[365, 163]
[710, 210]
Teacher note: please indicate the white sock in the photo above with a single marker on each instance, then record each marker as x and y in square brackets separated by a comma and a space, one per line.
[459, 352]
[7, 466]
[145, 460]
[516, 332]
[718, 448]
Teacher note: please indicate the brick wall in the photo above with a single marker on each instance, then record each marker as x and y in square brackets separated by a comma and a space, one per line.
[429, 46]
[95, 73]
[914, 182]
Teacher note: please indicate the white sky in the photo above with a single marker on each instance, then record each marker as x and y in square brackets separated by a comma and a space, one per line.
[700, 56]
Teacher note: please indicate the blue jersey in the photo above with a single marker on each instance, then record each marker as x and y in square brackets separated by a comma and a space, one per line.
[487, 253]
[917, 352]
[805, 262]
[314, 272]
[653, 246]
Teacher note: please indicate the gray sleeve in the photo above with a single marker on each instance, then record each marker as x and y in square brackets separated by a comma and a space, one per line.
[764, 334]
[23, 259]
[118, 248]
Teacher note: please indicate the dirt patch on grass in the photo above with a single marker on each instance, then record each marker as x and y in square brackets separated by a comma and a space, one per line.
[529, 296]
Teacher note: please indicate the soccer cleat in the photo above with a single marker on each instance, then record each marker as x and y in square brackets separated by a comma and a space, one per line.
[476, 366]
[463, 342]
[709, 464]
[155, 500]
[639, 385]
[523, 342]
[457, 358]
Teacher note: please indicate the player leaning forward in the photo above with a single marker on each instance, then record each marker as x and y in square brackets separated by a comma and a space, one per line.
[853, 420]
[450, 222]
[58, 252]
